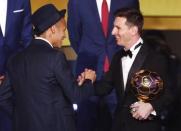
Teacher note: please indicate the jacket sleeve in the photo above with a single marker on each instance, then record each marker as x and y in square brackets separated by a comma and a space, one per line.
[6, 104]
[106, 85]
[68, 83]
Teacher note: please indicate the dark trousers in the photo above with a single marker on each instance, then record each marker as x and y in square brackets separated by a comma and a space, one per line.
[96, 113]
[5, 122]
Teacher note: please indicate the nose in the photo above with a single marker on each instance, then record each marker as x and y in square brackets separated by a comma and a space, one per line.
[114, 31]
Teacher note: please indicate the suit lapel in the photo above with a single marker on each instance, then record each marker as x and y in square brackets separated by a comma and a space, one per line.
[121, 70]
[94, 9]
[121, 77]
[9, 15]
[118, 73]
[1, 37]
[137, 64]
[111, 18]
[96, 15]
[1, 33]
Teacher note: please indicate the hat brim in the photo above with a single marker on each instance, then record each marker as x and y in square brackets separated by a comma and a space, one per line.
[62, 13]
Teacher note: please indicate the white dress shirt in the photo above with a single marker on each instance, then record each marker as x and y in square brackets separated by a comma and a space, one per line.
[3, 13]
[99, 7]
[127, 61]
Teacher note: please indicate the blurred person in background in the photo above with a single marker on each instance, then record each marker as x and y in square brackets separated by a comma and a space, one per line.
[15, 35]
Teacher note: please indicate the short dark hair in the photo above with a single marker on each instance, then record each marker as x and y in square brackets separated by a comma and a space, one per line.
[133, 16]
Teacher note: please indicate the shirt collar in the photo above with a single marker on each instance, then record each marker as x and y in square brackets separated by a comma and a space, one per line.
[140, 40]
[41, 38]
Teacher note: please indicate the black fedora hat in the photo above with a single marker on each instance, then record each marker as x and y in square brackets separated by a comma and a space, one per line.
[45, 17]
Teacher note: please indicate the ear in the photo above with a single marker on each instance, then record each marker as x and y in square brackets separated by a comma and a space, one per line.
[134, 30]
[52, 28]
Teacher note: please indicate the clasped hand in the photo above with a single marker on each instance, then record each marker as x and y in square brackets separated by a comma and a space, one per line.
[141, 110]
[87, 74]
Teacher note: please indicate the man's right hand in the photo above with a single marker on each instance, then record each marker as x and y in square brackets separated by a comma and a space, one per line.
[87, 74]
[90, 74]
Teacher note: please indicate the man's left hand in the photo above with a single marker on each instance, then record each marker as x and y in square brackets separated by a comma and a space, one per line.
[141, 110]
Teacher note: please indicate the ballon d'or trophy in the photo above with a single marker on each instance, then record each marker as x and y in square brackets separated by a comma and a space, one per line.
[146, 85]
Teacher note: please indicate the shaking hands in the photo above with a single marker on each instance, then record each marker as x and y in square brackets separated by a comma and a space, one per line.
[88, 74]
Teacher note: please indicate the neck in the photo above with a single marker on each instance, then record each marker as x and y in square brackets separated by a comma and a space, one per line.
[131, 42]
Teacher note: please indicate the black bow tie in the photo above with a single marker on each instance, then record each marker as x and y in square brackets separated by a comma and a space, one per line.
[127, 53]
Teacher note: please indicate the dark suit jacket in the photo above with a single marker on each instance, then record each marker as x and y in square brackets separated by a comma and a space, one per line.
[18, 30]
[86, 35]
[147, 58]
[45, 89]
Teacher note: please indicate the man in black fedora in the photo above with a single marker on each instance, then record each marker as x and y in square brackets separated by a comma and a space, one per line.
[43, 84]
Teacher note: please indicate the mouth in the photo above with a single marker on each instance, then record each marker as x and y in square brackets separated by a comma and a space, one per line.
[117, 39]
